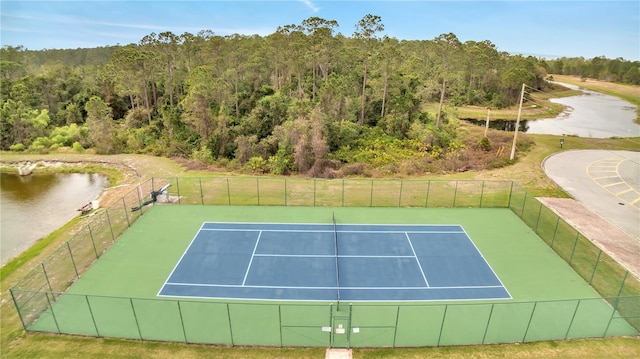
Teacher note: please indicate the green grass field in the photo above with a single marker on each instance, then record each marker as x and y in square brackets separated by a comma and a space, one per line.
[117, 295]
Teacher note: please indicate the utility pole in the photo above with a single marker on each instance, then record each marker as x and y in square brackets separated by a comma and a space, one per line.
[515, 133]
[486, 127]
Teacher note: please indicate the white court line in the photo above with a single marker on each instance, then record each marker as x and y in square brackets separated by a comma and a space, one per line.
[182, 256]
[317, 231]
[417, 261]
[327, 256]
[251, 260]
[488, 265]
[325, 288]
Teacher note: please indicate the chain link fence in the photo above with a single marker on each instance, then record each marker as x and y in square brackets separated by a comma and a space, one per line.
[43, 305]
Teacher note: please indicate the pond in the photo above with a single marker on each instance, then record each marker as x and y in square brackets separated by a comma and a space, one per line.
[591, 114]
[34, 206]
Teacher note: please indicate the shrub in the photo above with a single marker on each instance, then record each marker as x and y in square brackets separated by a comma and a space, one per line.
[484, 144]
[18, 147]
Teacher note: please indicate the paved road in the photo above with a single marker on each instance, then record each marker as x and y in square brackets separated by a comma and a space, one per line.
[606, 182]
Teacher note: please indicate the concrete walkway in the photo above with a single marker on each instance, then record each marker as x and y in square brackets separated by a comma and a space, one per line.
[605, 186]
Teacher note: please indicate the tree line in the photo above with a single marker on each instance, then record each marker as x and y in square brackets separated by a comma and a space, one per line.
[296, 100]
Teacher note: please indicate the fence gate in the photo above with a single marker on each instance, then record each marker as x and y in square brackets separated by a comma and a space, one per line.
[341, 326]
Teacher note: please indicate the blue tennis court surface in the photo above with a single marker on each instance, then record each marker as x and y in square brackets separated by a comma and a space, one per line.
[320, 262]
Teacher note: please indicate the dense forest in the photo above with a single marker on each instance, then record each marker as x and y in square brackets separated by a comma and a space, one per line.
[304, 99]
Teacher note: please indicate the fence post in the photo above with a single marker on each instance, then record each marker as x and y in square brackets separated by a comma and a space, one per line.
[113, 237]
[201, 193]
[139, 199]
[426, 200]
[395, 333]
[228, 192]
[126, 214]
[285, 191]
[524, 203]
[184, 331]
[400, 197]
[55, 320]
[481, 193]
[444, 317]
[572, 318]
[46, 276]
[343, 192]
[95, 325]
[510, 195]
[178, 188]
[455, 195]
[93, 243]
[230, 326]
[533, 310]
[486, 329]
[371, 195]
[135, 317]
[18, 309]
[314, 192]
[624, 279]
[538, 219]
[280, 323]
[595, 267]
[555, 230]
[573, 250]
[258, 189]
[72, 261]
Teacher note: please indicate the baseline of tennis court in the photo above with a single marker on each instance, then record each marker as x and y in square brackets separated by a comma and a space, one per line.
[325, 262]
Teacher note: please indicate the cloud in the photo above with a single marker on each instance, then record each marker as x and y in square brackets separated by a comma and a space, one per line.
[310, 5]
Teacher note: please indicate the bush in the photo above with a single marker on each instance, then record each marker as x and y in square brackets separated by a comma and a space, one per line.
[256, 165]
[77, 147]
[484, 144]
[18, 147]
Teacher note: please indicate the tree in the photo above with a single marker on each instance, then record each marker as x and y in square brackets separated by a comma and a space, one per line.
[448, 47]
[320, 31]
[366, 30]
[99, 120]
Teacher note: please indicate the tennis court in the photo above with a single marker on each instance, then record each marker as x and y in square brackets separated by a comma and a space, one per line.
[347, 263]
[326, 262]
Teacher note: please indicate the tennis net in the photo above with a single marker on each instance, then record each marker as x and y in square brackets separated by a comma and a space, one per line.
[335, 239]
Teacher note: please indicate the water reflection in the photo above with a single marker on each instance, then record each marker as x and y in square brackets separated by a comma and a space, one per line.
[591, 114]
[36, 205]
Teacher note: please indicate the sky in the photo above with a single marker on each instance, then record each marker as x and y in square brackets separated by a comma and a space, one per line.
[542, 28]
